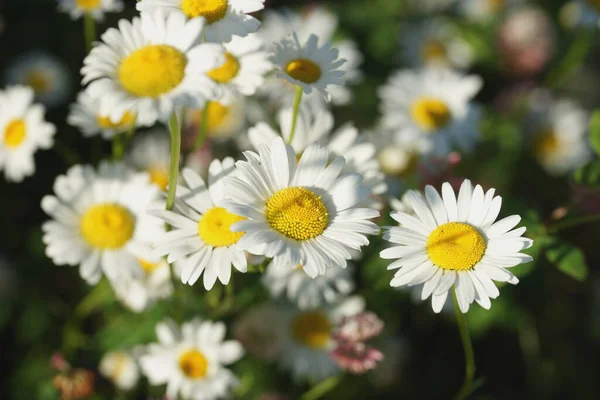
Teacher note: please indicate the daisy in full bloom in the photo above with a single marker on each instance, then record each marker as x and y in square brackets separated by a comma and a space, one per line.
[94, 8]
[432, 106]
[44, 73]
[306, 337]
[100, 221]
[201, 236]
[560, 142]
[224, 18]
[309, 66]
[23, 131]
[151, 64]
[316, 125]
[299, 211]
[305, 292]
[151, 152]
[121, 368]
[191, 361]
[455, 242]
[224, 120]
[85, 115]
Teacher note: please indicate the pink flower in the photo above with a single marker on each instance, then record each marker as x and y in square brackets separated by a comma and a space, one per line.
[356, 358]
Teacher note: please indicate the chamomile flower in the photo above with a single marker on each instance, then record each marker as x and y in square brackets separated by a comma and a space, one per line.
[23, 131]
[120, 367]
[151, 152]
[455, 242]
[224, 120]
[306, 338]
[85, 115]
[100, 221]
[44, 73]
[305, 292]
[432, 106]
[201, 236]
[224, 18]
[299, 212]
[191, 361]
[161, 68]
[309, 66]
[560, 141]
[94, 8]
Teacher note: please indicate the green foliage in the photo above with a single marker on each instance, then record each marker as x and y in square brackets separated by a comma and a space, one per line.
[589, 174]
[595, 131]
[568, 259]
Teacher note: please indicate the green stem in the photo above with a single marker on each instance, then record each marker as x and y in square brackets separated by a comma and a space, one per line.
[569, 223]
[202, 129]
[574, 57]
[175, 153]
[117, 147]
[461, 321]
[322, 388]
[89, 28]
[297, 99]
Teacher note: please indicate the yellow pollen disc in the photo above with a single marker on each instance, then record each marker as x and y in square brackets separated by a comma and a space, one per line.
[214, 228]
[212, 10]
[159, 177]
[152, 70]
[433, 50]
[303, 70]
[455, 246]
[546, 144]
[312, 329]
[106, 123]
[38, 80]
[193, 364]
[14, 133]
[297, 213]
[120, 364]
[107, 226]
[87, 5]
[430, 114]
[227, 71]
[217, 115]
[148, 266]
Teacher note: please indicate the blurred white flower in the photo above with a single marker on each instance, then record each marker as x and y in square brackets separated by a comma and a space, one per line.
[94, 8]
[120, 367]
[151, 152]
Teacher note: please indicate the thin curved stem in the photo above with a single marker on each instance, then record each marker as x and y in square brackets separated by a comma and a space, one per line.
[461, 321]
[175, 154]
[297, 100]
[89, 28]
[571, 222]
[322, 388]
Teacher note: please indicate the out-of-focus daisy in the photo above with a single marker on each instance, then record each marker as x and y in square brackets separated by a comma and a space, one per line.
[84, 114]
[484, 10]
[402, 204]
[306, 338]
[151, 152]
[23, 131]
[224, 18]
[316, 125]
[120, 367]
[44, 73]
[559, 138]
[100, 221]
[435, 42]
[305, 292]
[201, 236]
[224, 121]
[299, 212]
[432, 106]
[161, 68]
[455, 242]
[191, 361]
[94, 8]
[309, 66]
[397, 159]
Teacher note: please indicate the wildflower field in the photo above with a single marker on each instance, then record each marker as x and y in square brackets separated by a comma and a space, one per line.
[295, 199]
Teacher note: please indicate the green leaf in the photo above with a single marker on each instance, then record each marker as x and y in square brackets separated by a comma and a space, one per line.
[595, 131]
[568, 258]
[589, 174]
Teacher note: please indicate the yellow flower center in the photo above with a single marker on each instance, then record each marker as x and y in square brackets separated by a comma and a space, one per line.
[87, 5]
[430, 114]
[152, 70]
[107, 226]
[14, 133]
[38, 80]
[106, 123]
[217, 115]
[193, 364]
[148, 266]
[121, 359]
[312, 329]
[212, 10]
[546, 144]
[433, 51]
[455, 246]
[214, 228]
[159, 177]
[497, 5]
[297, 213]
[303, 70]
[227, 71]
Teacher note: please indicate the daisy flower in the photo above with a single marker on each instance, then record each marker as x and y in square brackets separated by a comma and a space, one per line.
[94, 8]
[299, 212]
[432, 106]
[224, 18]
[45, 74]
[120, 367]
[162, 66]
[151, 152]
[309, 66]
[85, 116]
[306, 338]
[224, 120]
[455, 242]
[201, 236]
[191, 361]
[100, 221]
[305, 292]
[23, 131]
